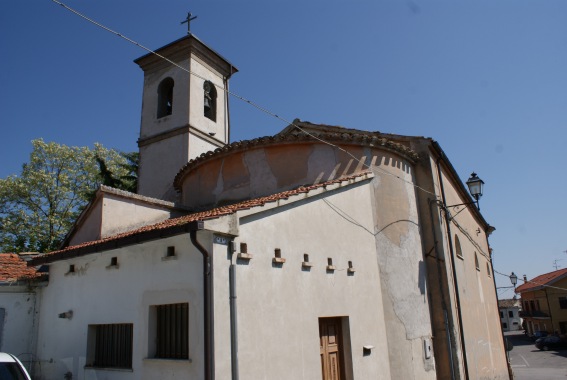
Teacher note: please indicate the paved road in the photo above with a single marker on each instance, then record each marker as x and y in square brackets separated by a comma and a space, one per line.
[529, 363]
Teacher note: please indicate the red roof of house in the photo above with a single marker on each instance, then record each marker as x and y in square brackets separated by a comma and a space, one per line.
[13, 268]
[176, 225]
[543, 279]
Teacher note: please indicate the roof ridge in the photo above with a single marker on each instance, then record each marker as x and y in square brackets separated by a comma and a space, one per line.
[373, 139]
[541, 280]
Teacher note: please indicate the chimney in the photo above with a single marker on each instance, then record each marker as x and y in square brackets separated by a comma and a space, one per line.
[525, 278]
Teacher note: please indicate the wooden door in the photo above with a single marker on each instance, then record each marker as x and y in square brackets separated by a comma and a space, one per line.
[331, 348]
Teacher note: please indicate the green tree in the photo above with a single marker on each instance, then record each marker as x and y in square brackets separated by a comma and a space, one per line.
[38, 207]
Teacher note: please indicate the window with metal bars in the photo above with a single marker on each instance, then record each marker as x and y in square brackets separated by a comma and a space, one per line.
[110, 345]
[172, 331]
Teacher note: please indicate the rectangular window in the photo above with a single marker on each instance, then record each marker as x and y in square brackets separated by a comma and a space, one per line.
[172, 331]
[110, 345]
[501, 314]
[511, 313]
[563, 302]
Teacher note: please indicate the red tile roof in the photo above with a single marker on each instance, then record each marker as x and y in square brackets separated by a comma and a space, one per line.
[508, 303]
[178, 225]
[13, 268]
[544, 279]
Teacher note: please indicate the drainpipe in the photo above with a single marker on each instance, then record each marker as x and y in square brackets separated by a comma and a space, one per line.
[549, 311]
[454, 272]
[208, 310]
[233, 317]
[227, 108]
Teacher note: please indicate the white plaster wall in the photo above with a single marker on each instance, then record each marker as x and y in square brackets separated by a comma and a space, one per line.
[514, 323]
[19, 328]
[113, 215]
[402, 270]
[150, 124]
[120, 216]
[98, 294]
[159, 163]
[90, 227]
[196, 98]
[279, 307]
[197, 146]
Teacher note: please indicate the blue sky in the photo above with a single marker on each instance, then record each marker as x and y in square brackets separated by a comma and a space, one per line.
[486, 79]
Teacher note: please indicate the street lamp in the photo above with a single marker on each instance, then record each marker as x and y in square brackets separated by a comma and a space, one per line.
[514, 280]
[475, 185]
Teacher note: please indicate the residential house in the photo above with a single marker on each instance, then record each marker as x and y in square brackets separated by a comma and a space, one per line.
[544, 302]
[318, 253]
[509, 310]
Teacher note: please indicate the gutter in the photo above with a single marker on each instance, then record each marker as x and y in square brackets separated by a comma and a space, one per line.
[447, 323]
[442, 156]
[208, 309]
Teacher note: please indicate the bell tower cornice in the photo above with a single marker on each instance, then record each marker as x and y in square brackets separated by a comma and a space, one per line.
[177, 50]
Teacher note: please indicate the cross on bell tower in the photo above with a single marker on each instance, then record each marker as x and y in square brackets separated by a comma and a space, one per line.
[188, 20]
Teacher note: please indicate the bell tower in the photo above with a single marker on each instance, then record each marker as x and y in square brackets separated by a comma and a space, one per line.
[184, 111]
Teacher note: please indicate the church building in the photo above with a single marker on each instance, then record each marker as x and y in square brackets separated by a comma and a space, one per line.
[321, 252]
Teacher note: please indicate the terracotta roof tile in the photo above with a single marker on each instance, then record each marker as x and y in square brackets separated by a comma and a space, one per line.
[14, 268]
[507, 303]
[544, 279]
[157, 230]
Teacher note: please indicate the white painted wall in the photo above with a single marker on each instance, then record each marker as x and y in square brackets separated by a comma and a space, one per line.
[279, 307]
[113, 214]
[19, 328]
[159, 163]
[150, 124]
[97, 294]
[514, 322]
[196, 98]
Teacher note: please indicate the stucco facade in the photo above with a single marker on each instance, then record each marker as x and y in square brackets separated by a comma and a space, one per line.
[321, 251]
[544, 303]
[510, 310]
[20, 298]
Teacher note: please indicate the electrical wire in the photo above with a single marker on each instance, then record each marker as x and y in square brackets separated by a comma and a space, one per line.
[274, 115]
[241, 98]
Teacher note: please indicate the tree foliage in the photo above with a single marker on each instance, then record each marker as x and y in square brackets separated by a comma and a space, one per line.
[38, 207]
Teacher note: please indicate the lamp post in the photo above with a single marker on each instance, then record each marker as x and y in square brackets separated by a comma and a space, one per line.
[475, 185]
[514, 280]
